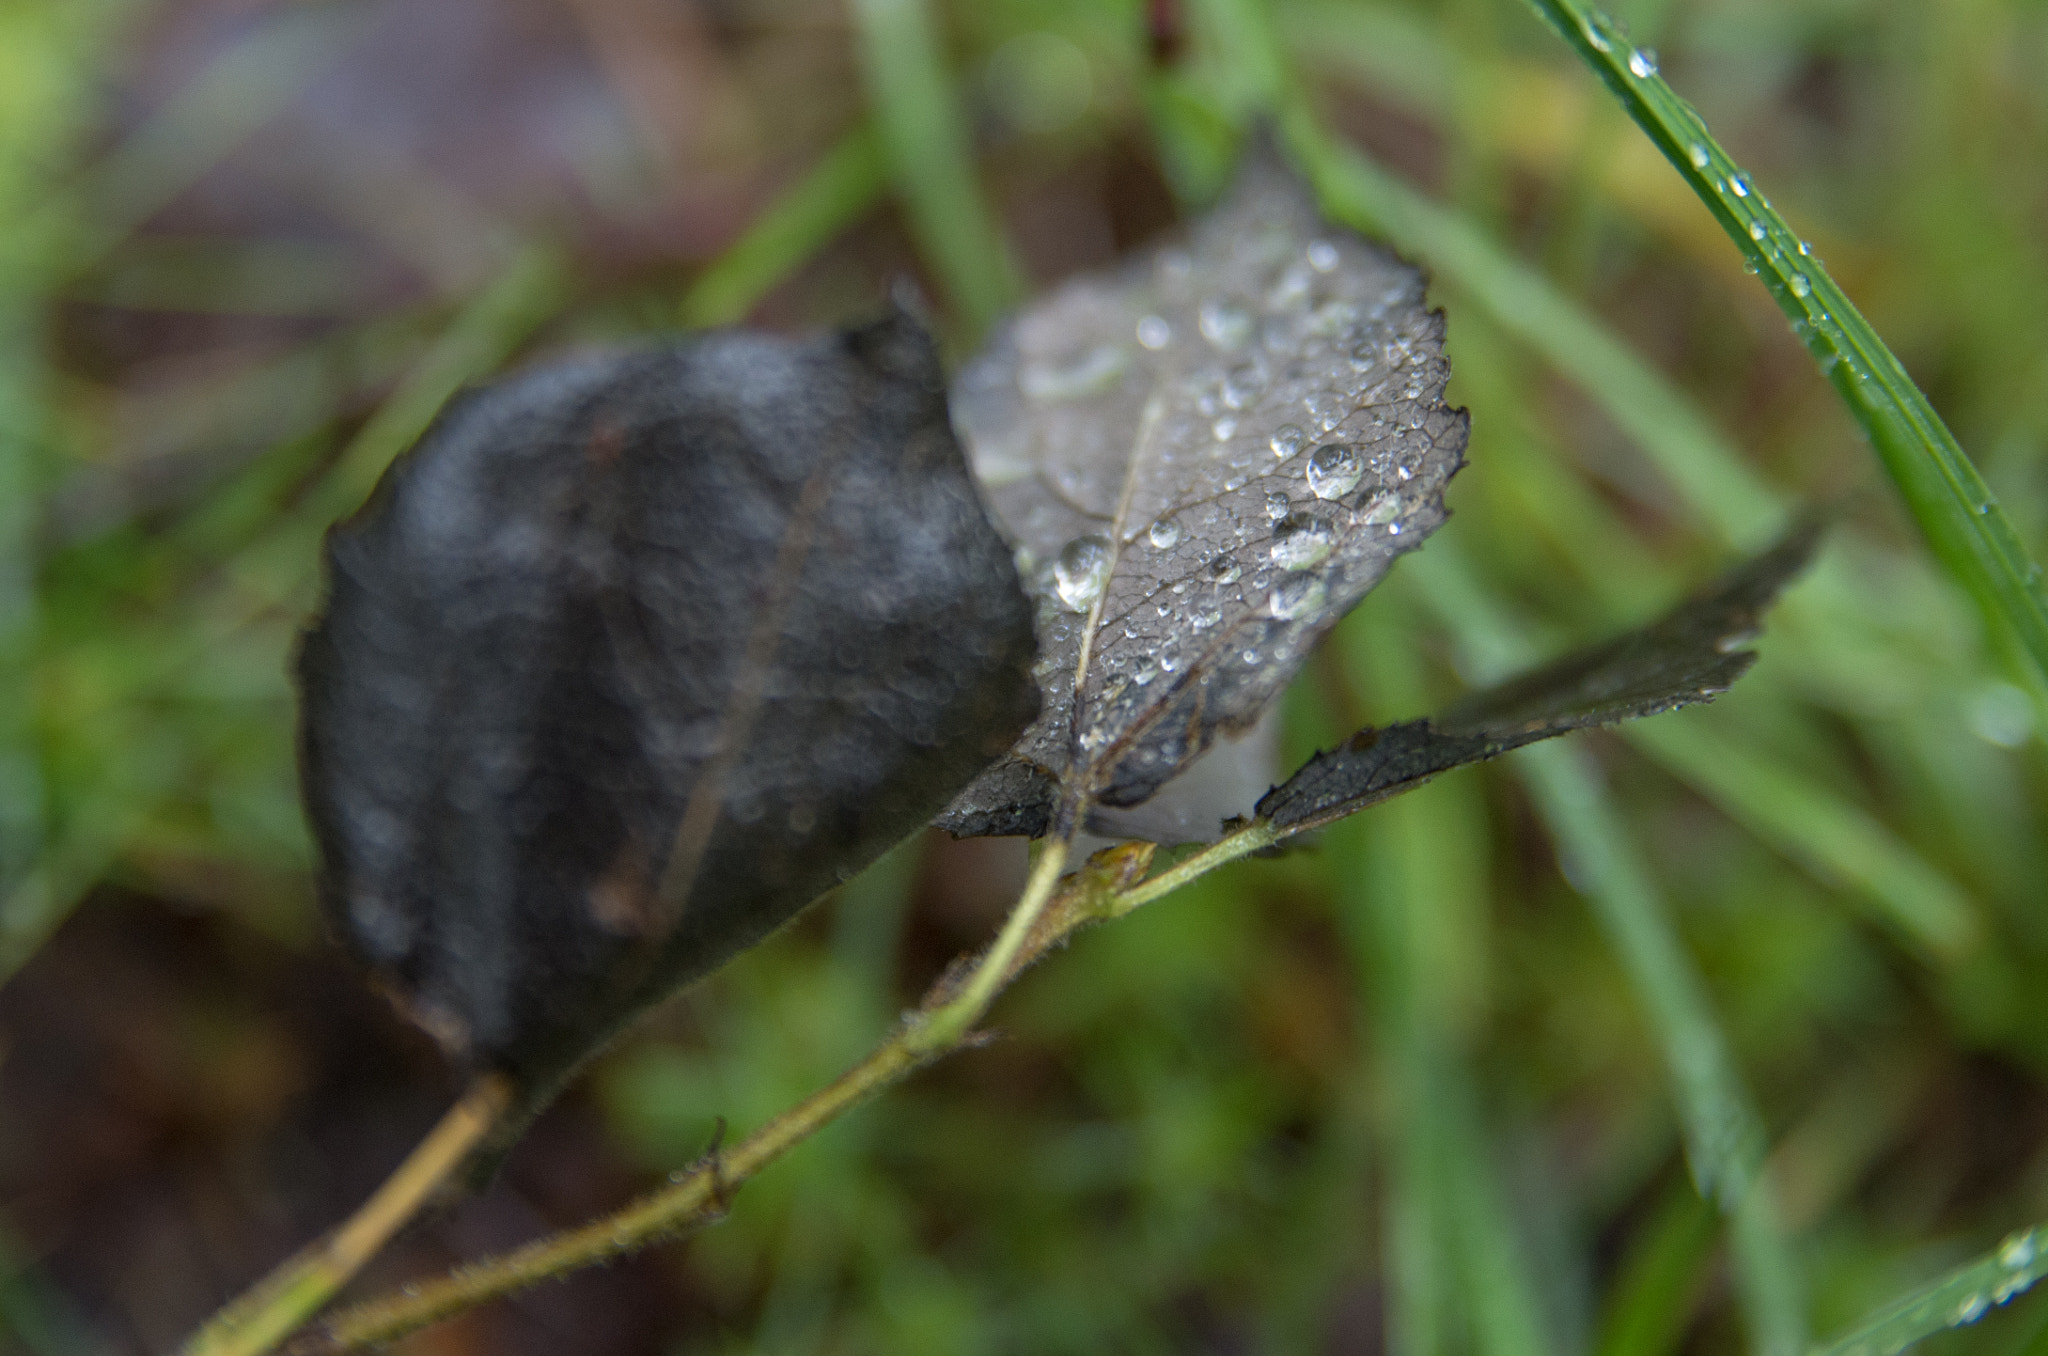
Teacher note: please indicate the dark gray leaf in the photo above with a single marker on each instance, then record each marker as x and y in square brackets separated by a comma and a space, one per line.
[1204, 460]
[633, 657]
[1691, 655]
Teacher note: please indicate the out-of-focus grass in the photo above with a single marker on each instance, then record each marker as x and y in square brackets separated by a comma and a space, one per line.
[1405, 1088]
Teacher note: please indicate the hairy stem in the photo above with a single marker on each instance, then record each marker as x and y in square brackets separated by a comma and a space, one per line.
[288, 1296]
[944, 1028]
[1044, 915]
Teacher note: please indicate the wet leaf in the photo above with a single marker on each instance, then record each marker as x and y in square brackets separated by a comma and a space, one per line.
[1204, 460]
[632, 658]
[1692, 654]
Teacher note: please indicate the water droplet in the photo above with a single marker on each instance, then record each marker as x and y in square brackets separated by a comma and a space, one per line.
[1204, 619]
[1241, 385]
[1972, 1308]
[2017, 1252]
[1154, 333]
[2008, 1288]
[1736, 640]
[1165, 534]
[1805, 248]
[1332, 318]
[1800, 286]
[1383, 509]
[1697, 154]
[1749, 266]
[1642, 63]
[1224, 569]
[1738, 184]
[1594, 36]
[1302, 540]
[1296, 597]
[1143, 672]
[1224, 324]
[1288, 440]
[1223, 428]
[1249, 656]
[1076, 375]
[1322, 255]
[1334, 470]
[1756, 230]
[1082, 572]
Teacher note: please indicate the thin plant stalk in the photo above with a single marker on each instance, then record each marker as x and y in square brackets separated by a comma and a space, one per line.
[278, 1304]
[700, 1196]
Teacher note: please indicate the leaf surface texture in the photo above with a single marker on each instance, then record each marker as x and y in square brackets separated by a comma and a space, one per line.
[1204, 459]
[632, 658]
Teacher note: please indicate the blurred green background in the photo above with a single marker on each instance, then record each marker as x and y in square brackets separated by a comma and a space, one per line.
[1446, 1080]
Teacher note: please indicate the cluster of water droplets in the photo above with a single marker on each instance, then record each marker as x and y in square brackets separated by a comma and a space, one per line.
[1815, 327]
[2018, 1264]
[1199, 458]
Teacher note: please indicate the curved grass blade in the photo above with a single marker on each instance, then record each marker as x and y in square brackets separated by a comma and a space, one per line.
[228, 101]
[829, 198]
[1709, 475]
[1724, 1135]
[922, 128]
[1955, 509]
[1831, 836]
[1955, 1301]
[269, 572]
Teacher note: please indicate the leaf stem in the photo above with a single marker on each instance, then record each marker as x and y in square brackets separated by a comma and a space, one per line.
[946, 1026]
[1250, 838]
[291, 1294]
[699, 1195]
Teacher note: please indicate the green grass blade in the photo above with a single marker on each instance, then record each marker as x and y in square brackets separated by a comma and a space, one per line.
[1709, 475]
[46, 101]
[275, 570]
[1500, 1291]
[1955, 1301]
[1410, 881]
[1724, 1135]
[228, 101]
[1654, 1289]
[478, 339]
[924, 130]
[1828, 835]
[1956, 511]
[834, 194]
